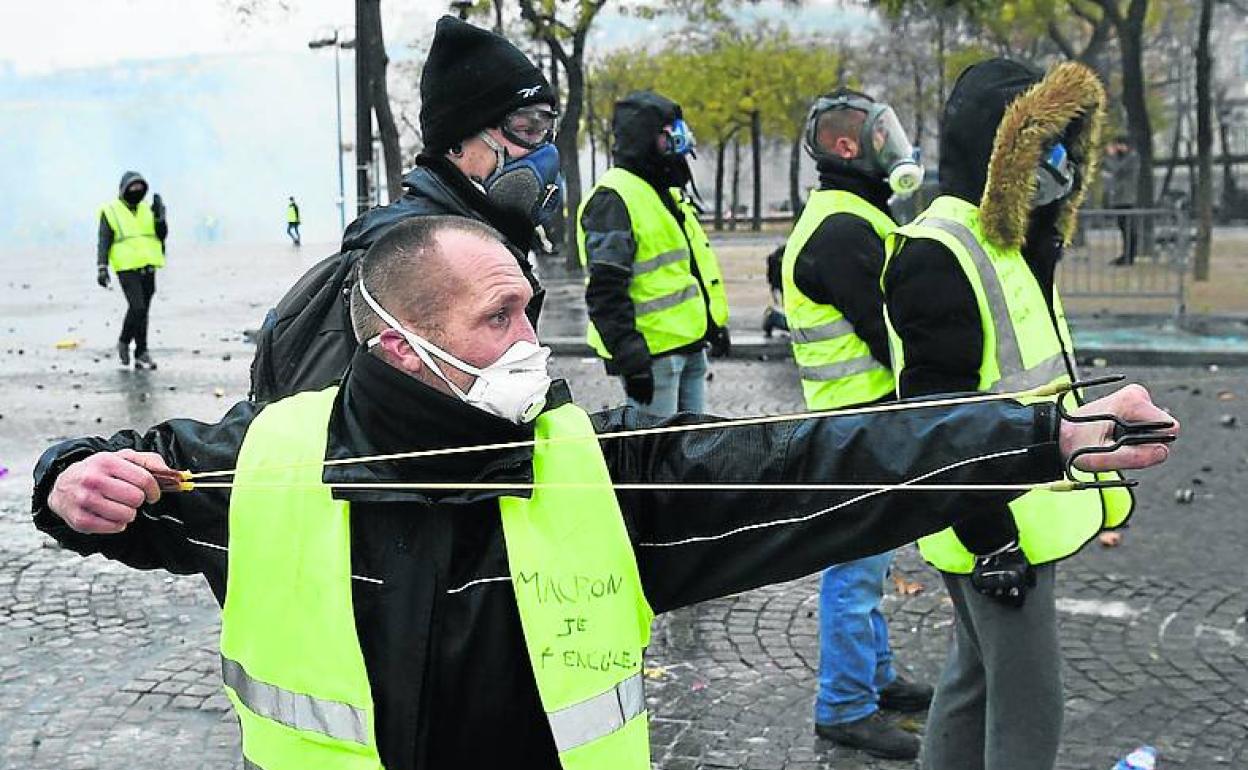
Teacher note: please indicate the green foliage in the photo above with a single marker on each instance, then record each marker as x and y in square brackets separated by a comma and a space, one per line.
[719, 83]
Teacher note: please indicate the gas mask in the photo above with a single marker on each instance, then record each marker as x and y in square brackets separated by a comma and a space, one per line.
[1055, 177]
[678, 139]
[513, 387]
[531, 186]
[884, 150]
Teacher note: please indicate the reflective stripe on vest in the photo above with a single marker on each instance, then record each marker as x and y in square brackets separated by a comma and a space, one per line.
[664, 259]
[302, 712]
[842, 369]
[599, 716]
[835, 365]
[135, 244]
[1030, 350]
[671, 300]
[585, 617]
[663, 279]
[828, 331]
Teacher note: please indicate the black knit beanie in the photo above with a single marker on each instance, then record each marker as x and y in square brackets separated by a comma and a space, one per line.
[472, 78]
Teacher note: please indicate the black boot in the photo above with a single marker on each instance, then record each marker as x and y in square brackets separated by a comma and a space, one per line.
[143, 361]
[874, 735]
[903, 695]
[123, 353]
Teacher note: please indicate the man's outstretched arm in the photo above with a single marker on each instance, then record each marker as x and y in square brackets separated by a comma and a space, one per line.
[693, 546]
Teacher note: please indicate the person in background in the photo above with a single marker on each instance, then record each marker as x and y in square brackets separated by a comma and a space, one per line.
[1122, 176]
[972, 305]
[831, 272]
[132, 242]
[654, 293]
[293, 221]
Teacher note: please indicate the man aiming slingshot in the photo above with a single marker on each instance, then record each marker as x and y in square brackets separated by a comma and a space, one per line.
[442, 561]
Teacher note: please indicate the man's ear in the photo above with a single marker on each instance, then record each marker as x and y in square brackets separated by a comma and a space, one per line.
[398, 352]
[845, 147]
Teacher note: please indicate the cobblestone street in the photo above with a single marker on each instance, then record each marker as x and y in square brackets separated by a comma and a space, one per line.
[105, 667]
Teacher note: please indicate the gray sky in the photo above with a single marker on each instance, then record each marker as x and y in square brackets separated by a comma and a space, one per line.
[44, 35]
[57, 34]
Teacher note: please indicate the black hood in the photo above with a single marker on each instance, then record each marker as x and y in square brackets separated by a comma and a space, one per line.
[635, 124]
[126, 179]
[974, 110]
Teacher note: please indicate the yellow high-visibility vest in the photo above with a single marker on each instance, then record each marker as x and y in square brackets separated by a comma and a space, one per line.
[135, 244]
[1023, 348]
[668, 304]
[290, 655]
[835, 364]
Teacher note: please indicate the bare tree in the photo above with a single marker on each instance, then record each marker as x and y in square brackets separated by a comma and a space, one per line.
[1204, 142]
[567, 44]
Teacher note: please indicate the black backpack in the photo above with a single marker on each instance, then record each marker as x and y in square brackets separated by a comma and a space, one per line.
[306, 342]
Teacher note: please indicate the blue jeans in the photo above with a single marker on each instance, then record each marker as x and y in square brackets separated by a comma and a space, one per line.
[855, 661]
[679, 384]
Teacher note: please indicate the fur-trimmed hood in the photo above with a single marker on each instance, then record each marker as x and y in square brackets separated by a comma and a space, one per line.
[999, 118]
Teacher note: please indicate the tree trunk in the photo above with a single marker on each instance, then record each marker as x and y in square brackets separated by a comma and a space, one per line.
[380, 97]
[1230, 191]
[720, 151]
[795, 170]
[1204, 143]
[756, 147]
[363, 107]
[568, 143]
[918, 103]
[1134, 96]
[736, 182]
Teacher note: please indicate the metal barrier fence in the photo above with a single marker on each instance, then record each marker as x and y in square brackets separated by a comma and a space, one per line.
[1134, 260]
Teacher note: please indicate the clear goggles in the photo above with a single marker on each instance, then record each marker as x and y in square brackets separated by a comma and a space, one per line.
[530, 126]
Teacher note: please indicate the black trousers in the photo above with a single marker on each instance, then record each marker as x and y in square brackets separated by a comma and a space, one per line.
[138, 286]
[1129, 227]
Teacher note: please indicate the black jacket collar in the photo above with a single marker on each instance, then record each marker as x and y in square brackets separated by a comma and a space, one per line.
[834, 176]
[380, 410]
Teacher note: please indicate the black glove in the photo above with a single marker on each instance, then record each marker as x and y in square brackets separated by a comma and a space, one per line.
[1004, 575]
[101, 277]
[640, 387]
[721, 343]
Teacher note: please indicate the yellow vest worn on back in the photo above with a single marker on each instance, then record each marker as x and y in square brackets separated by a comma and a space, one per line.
[292, 214]
[1023, 348]
[669, 306]
[135, 244]
[835, 365]
[291, 659]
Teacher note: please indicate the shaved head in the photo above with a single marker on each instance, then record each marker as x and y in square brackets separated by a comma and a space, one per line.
[409, 273]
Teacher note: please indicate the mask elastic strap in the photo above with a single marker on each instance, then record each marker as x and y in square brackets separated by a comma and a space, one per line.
[500, 155]
[422, 347]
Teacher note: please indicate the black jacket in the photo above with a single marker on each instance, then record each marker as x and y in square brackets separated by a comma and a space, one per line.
[104, 233]
[930, 301]
[436, 618]
[842, 261]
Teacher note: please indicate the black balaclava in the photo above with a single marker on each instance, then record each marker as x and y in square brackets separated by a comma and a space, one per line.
[132, 199]
[635, 127]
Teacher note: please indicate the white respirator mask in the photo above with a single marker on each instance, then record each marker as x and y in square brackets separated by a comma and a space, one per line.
[513, 387]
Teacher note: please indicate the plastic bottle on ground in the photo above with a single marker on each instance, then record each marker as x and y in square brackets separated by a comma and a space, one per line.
[1143, 758]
